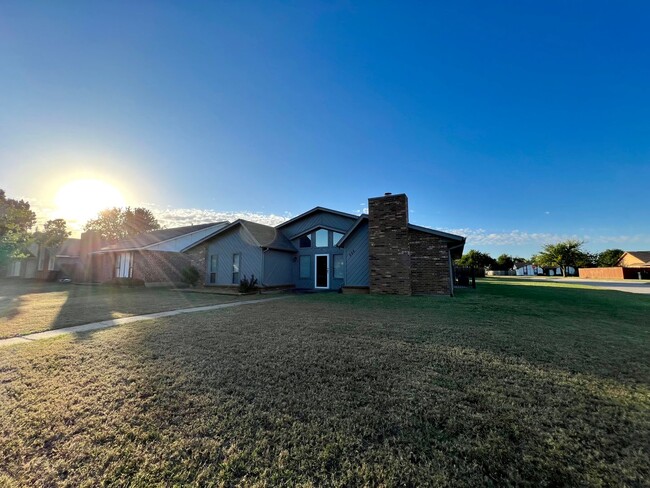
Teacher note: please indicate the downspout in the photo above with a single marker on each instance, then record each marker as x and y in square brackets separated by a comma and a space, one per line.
[451, 269]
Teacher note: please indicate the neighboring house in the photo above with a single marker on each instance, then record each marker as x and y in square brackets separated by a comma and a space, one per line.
[527, 269]
[24, 267]
[632, 265]
[153, 257]
[47, 262]
[324, 249]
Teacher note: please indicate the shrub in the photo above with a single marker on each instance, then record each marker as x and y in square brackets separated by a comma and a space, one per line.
[190, 276]
[246, 285]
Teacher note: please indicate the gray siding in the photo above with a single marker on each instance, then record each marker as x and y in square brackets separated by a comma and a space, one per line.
[278, 268]
[331, 250]
[325, 219]
[357, 270]
[235, 241]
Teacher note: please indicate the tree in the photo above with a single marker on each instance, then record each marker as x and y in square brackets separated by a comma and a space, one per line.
[53, 234]
[115, 223]
[505, 262]
[609, 257]
[476, 259]
[563, 254]
[16, 220]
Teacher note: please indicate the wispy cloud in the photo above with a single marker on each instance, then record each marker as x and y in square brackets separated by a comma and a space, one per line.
[177, 217]
[517, 237]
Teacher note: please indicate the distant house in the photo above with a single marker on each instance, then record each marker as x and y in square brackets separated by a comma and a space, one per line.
[47, 263]
[631, 265]
[325, 249]
[527, 269]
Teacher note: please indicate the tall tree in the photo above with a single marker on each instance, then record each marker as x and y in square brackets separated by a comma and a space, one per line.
[563, 254]
[505, 262]
[609, 257]
[476, 259]
[53, 234]
[16, 220]
[115, 223]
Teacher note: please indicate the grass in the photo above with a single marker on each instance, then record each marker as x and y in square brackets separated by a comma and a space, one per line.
[27, 307]
[505, 385]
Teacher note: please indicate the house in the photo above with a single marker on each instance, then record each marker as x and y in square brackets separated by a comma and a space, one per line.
[153, 257]
[325, 249]
[632, 265]
[47, 263]
[527, 269]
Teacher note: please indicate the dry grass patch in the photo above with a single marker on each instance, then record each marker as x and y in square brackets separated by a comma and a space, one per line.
[505, 386]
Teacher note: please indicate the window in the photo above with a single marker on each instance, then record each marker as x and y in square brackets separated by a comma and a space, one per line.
[124, 265]
[41, 258]
[305, 241]
[50, 263]
[336, 237]
[305, 266]
[338, 266]
[321, 238]
[236, 258]
[213, 268]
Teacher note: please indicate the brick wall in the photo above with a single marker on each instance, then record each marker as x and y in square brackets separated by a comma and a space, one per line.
[198, 257]
[390, 262]
[159, 267]
[429, 264]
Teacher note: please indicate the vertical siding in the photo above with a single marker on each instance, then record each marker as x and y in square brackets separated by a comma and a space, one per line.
[235, 241]
[319, 218]
[278, 268]
[357, 270]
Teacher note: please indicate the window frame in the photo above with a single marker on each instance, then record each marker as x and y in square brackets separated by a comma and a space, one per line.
[327, 238]
[236, 275]
[214, 264]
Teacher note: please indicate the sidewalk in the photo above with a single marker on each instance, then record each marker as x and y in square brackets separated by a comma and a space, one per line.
[26, 339]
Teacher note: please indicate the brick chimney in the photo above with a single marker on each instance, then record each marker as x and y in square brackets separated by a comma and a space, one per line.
[390, 262]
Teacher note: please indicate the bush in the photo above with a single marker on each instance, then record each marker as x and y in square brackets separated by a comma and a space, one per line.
[129, 282]
[190, 276]
[248, 286]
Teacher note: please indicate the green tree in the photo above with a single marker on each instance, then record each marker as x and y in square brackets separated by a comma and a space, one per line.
[563, 254]
[53, 234]
[505, 262]
[113, 224]
[16, 220]
[476, 259]
[609, 257]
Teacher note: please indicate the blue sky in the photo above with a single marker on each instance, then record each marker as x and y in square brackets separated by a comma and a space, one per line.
[514, 123]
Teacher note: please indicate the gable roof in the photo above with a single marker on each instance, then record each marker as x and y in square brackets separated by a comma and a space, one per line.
[264, 236]
[147, 239]
[360, 219]
[643, 256]
[314, 210]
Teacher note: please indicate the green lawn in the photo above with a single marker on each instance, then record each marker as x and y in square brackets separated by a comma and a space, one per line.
[506, 385]
[27, 307]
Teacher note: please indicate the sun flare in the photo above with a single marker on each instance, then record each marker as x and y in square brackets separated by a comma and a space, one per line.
[80, 200]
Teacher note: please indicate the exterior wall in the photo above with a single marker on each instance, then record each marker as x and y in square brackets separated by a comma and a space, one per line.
[317, 219]
[235, 241]
[357, 269]
[278, 268]
[198, 258]
[615, 273]
[629, 260]
[159, 267]
[430, 270]
[179, 243]
[390, 262]
[331, 250]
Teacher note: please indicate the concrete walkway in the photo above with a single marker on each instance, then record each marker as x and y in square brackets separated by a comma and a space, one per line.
[26, 339]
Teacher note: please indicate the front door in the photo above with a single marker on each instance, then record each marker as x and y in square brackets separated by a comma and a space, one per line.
[322, 271]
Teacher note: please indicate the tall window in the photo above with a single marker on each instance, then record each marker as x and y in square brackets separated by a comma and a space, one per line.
[214, 260]
[124, 265]
[41, 257]
[305, 266]
[321, 238]
[236, 259]
[338, 266]
[50, 262]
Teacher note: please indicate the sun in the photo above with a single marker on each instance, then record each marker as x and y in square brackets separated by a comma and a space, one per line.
[81, 200]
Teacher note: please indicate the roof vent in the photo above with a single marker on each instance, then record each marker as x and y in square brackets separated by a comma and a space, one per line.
[387, 194]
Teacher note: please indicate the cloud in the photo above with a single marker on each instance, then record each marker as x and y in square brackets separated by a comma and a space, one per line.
[177, 217]
[517, 237]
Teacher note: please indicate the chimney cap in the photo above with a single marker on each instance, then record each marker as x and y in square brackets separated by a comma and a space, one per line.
[387, 194]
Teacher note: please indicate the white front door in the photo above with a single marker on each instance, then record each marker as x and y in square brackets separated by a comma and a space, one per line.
[322, 271]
